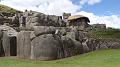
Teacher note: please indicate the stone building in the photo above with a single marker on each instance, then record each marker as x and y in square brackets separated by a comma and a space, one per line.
[78, 20]
[99, 26]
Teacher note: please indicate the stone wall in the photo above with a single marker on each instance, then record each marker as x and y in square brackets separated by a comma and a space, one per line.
[99, 26]
[45, 43]
[46, 37]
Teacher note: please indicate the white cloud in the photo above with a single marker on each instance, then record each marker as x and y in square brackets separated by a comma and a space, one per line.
[56, 7]
[110, 21]
[89, 2]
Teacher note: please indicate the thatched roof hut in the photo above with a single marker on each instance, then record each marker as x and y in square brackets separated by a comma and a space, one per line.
[78, 20]
[75, 17]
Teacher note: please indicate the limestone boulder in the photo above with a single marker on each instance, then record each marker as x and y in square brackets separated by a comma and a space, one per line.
[93, 44]
[8, 40]
[71, 47]
[1, 46]
[45, 47]
[24, 44]
[114, 45]
[39, 30]
[9, 30]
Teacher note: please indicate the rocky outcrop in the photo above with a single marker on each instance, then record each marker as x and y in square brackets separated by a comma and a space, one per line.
[109, 44]
[4, 20]
[95, 44]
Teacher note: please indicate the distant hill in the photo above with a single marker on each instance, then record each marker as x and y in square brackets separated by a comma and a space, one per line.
[7, 9]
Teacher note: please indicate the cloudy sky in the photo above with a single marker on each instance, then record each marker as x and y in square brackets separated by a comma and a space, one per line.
[99, 11]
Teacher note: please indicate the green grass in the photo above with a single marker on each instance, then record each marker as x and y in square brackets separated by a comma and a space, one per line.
[7, 9]
[100, 58]
[105, 33]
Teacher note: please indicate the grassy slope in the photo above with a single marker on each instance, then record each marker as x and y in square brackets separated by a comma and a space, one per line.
[7, 9]
[105, 34]
[101, 58]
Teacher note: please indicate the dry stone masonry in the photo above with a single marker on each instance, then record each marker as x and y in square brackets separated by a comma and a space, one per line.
[36, 36]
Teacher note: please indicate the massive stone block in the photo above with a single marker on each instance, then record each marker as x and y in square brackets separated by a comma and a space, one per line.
[23, 44]
[45, 47]
[71, 47]
[1, 49]
[1, 46]
[9, 44]
[6, 44]
[40, 30]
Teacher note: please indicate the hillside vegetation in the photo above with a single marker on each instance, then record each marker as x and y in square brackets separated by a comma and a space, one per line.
[100, 58]
[105, 33]
[7, 9]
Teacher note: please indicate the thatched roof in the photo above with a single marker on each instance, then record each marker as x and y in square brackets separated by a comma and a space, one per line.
[77, 17]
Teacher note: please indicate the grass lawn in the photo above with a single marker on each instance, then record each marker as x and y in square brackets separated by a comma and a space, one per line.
[100, 58]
